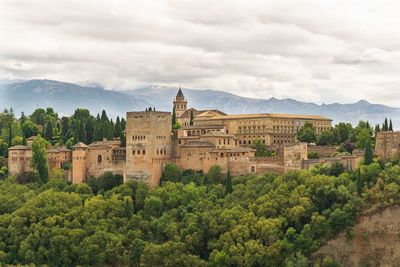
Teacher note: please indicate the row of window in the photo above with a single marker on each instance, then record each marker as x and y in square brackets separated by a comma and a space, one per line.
[225, 141]
[181, 106]
[139, 137]
[161, 137]
[138, 152]
[162, 152]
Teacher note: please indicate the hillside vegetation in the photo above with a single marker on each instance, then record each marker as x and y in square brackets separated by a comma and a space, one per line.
[268, 220]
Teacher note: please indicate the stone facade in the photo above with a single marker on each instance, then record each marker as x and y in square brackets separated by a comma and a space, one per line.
[97, 158]
[387, 145]
[207, 138]
[295, 158]
[148, 145]
[19, 158]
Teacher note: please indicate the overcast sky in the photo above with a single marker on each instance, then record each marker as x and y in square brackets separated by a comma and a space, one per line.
[317, 51]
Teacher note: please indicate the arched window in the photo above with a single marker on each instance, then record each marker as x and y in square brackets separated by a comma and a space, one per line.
[99, 159]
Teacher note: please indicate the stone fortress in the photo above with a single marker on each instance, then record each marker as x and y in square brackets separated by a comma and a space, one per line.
[206, 138]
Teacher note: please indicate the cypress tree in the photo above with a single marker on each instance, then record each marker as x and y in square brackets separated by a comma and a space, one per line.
[385, 126]
[117, 128]
[390, 126]
[173, 116]
[123, 124]
[98, 129]
[90, 130]
[368, 155]
[48, 134]
[191, 117]
[228, 183]
[81, 133]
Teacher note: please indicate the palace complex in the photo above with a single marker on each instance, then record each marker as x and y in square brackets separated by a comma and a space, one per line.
[206, 138]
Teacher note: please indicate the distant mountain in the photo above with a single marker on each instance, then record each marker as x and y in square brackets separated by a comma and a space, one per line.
[66, 97]
[233, 104]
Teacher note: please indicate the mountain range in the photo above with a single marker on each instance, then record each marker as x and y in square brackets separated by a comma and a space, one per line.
[66, 97]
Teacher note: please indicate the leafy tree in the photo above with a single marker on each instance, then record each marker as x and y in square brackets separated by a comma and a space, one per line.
[326, 138]
[39, 159]
[336, 169]
[261, 148]
[18, 140]
[29, 129]
[215, 174]
[307, 133]
[313, 155]
[38, 117]
[363, 137]
[171, 173]
[390, 126]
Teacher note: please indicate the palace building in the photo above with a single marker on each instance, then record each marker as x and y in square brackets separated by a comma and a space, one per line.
[206, 138]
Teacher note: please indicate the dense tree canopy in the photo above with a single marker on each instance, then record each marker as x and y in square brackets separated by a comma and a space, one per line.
[274, 220]
[80, 127]
[307, 133]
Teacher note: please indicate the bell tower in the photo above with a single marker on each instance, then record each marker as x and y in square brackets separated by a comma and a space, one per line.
[180, 103]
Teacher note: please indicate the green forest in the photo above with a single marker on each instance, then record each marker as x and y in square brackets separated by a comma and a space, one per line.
[66, 130]
[192, 219]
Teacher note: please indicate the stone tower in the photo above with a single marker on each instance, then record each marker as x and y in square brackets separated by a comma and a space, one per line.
[180, 103]
[148, 145]
[79, 160]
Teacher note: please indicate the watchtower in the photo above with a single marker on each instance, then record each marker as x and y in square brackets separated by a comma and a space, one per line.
[148, 145]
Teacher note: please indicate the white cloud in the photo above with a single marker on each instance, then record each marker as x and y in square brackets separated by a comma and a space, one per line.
[321, 51]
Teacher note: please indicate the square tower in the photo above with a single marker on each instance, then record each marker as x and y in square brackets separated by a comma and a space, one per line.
[148, 145]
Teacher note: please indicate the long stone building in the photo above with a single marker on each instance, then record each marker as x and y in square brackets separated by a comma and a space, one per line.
[206, 138]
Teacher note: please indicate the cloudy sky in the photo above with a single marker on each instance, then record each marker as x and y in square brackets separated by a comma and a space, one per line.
[318, 51]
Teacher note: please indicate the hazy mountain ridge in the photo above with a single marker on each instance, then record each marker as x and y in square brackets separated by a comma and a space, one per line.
[66, 97]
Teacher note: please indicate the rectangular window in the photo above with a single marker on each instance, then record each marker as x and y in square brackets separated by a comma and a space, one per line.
[144, 152]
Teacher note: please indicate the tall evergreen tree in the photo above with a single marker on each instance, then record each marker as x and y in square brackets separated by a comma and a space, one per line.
[117, 127]
[385, 126]
[81, 132]
[48, 134]
[90, 130]
[98, 129]
[173, 116]
[228, 183]
[65, 134]
[368, 154]
[123, 124]
[191, 117]
[390, 126]
[104, 117]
